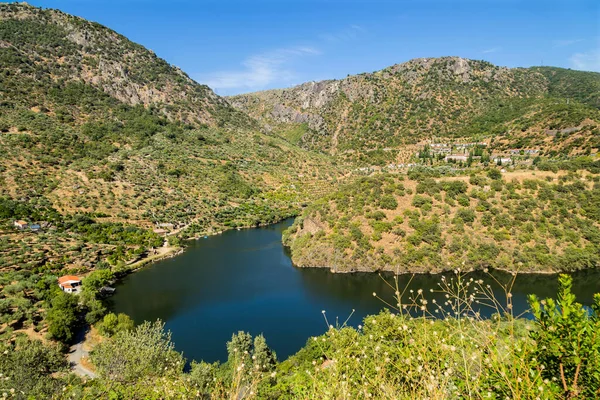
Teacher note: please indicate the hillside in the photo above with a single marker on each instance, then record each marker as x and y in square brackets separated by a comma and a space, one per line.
[430, 98]
[91, 123]
[517, 221]
[39, 43]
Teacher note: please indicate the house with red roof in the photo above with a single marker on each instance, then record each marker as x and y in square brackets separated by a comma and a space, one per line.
[70, 283]
[20, 224]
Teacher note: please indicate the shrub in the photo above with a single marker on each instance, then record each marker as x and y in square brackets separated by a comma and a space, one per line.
[494, 174]
[567, 343]
[388, 202]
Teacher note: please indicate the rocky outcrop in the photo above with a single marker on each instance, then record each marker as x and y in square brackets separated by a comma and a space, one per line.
[77, 49]
[424, 96]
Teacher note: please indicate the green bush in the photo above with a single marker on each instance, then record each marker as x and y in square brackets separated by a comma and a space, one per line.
[567, 344]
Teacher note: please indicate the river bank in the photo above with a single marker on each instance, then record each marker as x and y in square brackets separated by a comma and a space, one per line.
[245, 280]
[420, 271]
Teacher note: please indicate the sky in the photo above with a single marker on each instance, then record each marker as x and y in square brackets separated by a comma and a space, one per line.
[239, 46]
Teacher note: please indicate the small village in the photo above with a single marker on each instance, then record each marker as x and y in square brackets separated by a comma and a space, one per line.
[467, 153]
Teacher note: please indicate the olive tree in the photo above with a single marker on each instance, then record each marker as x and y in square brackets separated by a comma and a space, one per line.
[144, 352]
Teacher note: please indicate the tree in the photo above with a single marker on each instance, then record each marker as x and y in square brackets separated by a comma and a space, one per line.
[494, 174]
[239, 347]
[113, 324]
[62, 317]
[96, 280]
[143, 353]
[95, 311]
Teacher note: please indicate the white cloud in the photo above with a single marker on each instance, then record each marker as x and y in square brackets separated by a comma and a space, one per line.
[262, 70]
[259, 70]
[588, 61]
[566, 42]
[349, 33]
[492, 50]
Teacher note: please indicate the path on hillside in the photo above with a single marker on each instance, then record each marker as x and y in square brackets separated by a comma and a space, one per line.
[76, 352]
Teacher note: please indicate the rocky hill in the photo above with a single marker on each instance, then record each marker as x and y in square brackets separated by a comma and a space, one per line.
[91, 123]
[421, 99]
[37, 43]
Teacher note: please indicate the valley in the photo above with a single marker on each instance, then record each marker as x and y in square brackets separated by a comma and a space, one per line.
[444, 185]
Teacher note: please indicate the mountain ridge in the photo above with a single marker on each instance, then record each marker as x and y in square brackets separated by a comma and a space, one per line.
[119, 72]
[407, 102]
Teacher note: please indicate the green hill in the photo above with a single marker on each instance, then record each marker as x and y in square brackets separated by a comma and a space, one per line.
[432, 99]
[91, 123]
[517, 221]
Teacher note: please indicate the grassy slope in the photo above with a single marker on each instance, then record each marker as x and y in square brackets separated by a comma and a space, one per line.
[528, 221]
[93, 123]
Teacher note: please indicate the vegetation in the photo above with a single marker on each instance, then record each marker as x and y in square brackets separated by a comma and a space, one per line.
[414, 349]
[108, 153]
[524, 222]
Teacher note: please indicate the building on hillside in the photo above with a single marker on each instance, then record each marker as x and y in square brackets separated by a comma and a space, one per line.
[35, 227]
[20, 224]
[456, 157]
[69, 283]
[503, 160]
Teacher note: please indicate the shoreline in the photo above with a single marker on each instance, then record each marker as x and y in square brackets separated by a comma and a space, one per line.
[178, 250]
[174, 251]
[434, 272]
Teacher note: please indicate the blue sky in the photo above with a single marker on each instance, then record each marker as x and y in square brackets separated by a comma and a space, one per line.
[246, 45]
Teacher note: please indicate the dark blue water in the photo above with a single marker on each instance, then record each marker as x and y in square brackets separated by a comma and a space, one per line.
[244, 280]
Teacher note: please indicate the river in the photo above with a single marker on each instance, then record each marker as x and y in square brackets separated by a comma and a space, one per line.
[244, 280]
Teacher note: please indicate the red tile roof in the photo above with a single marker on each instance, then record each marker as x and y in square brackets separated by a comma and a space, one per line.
[67, 278]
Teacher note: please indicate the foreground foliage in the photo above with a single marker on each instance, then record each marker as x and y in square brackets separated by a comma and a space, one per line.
[415, 349]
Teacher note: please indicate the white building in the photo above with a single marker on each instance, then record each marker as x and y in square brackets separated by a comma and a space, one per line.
[69, 283]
